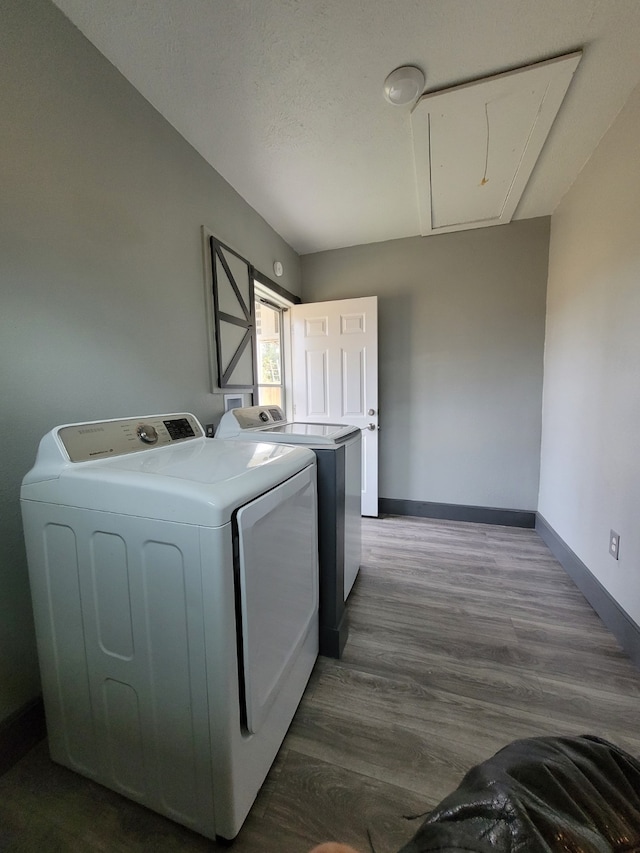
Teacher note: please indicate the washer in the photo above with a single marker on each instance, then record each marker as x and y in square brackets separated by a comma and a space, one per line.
[175, 593]
[339, 452]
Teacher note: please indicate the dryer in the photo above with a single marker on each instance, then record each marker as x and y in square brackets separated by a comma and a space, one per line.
[175, 592]
[338, 448]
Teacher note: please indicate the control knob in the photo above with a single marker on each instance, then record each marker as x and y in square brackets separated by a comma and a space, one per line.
[147, 433]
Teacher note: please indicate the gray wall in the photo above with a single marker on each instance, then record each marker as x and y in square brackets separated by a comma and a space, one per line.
[461, 335]
[590, 465]
[101, 270]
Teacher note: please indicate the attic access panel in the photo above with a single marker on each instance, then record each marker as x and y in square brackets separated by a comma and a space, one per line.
[475, 145]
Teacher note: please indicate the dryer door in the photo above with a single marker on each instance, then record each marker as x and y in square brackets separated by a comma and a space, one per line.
[277, 578]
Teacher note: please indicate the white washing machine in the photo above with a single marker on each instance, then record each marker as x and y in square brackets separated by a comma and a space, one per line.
[175, 592]
[339, 452]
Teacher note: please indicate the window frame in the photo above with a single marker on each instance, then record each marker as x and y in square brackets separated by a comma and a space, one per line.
[278, 300]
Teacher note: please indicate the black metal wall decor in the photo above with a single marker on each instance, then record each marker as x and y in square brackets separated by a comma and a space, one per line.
[234, 317]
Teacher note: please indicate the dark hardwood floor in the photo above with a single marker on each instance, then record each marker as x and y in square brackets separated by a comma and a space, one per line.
[463, 637]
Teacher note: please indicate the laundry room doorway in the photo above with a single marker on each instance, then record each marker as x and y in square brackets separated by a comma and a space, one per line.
[334, 374]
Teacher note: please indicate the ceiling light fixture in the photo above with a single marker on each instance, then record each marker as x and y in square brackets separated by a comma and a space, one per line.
[404, 85]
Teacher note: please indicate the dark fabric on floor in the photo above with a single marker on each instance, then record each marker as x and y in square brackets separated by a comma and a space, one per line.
[539, 795]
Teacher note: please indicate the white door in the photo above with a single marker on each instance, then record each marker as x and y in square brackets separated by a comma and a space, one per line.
[335, 374]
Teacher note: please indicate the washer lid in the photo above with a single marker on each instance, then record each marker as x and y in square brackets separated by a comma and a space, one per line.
[198, 482]
[269, 422]
[298, 432]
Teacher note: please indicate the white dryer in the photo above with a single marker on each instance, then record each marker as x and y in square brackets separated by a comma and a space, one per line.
[338, 448]
[175, 592]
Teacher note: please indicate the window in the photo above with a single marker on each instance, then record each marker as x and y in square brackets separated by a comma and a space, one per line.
[248, 328]
[269, 350]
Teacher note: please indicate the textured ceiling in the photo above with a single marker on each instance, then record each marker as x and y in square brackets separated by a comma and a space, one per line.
[284, 97]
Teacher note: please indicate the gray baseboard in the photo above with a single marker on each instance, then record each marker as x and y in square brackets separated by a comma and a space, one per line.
[623, 628]
[458, 512]
[20, 732]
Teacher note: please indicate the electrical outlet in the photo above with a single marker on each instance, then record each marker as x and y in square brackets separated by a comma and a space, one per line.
[614, 544]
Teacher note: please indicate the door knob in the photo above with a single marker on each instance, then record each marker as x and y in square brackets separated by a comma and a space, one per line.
[371, 426]
[371, 412]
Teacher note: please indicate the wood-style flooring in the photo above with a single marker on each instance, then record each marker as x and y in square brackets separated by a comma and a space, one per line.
[463, 637]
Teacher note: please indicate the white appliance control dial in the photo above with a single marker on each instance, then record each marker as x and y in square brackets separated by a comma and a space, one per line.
[147, 433]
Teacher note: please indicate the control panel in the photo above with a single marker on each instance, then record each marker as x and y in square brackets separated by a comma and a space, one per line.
[103, 439]
[256, 416]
